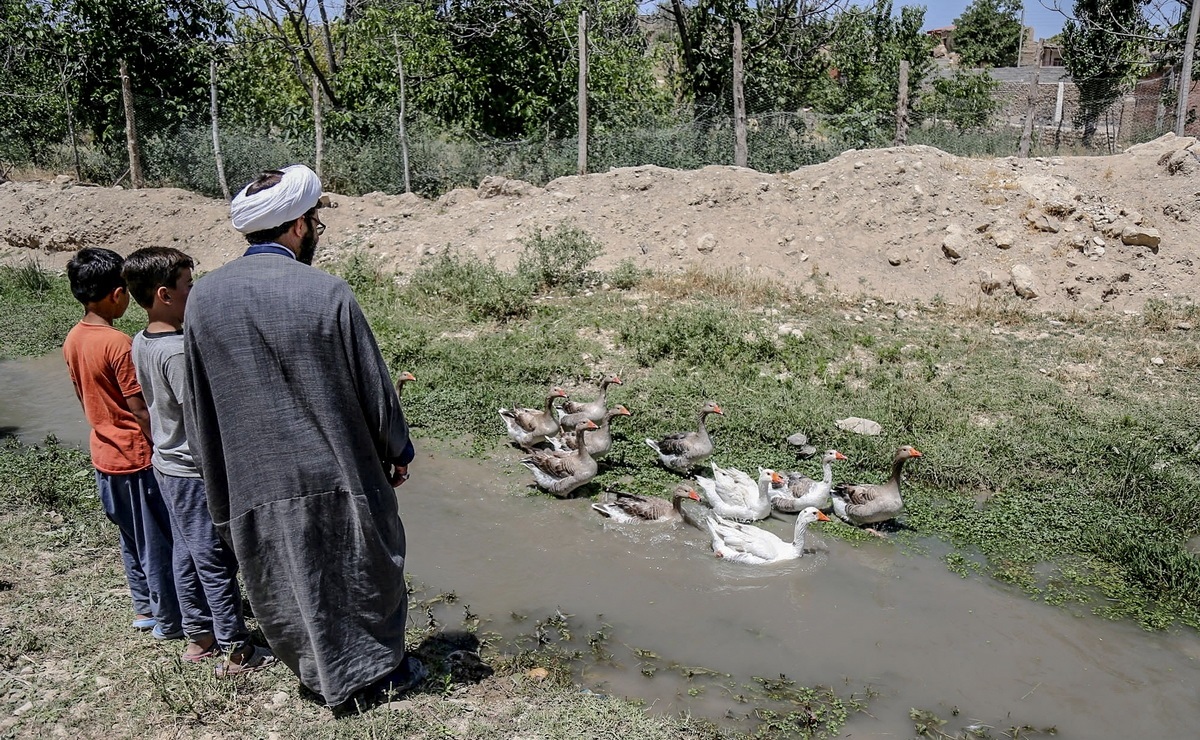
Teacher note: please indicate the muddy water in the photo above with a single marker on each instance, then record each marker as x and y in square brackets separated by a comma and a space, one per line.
[849, 617]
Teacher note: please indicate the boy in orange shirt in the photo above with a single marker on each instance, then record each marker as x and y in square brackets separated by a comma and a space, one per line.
[101, 368]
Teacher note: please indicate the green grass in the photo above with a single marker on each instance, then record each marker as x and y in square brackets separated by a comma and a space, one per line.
[1045, 442]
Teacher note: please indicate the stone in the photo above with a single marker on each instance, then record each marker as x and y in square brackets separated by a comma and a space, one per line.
[1043, 222]
[457, 196]
[538, 674]
[954, 245]
[989, 282]
[1157, 361]
[858, 425]
[706, 244]
[1004, 239]
[1180, 162]
[62, 181]
[1141, 236]
[1023, 282]
[1184, 326]
[279, 698]
[495, 185]
[403, 705]
[799, 439]
[23, 709]
[895, 260]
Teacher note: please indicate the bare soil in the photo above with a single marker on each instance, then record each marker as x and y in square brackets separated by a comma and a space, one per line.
[909, 224]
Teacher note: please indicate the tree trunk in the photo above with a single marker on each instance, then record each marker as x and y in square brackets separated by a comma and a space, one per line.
[581, 163]
[216, 135]
[739, 101]
[131, 142]
[1027, 132]
[403, 134]
[902, 106]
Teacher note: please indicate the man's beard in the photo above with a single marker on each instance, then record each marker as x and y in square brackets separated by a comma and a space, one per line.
[308, 248]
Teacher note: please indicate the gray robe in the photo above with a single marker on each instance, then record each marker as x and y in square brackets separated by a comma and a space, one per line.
[291, 412]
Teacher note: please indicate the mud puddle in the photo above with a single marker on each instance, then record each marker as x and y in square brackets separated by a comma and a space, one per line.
[869, 619]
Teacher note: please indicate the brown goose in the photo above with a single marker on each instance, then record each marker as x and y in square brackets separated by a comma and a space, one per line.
[401, 379]
[866, 503]
[682, 450]
[560, 473]
[802, 492]
[633, 507]
[598, 442]
[573, 411]
[528, 427]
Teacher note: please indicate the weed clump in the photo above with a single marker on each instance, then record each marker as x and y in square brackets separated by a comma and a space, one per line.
[558, 259]
[479, 287]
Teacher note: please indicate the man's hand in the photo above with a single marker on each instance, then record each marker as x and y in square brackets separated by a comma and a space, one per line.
[398, 475]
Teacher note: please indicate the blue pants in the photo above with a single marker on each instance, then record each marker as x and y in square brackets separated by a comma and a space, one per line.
[134, 503]
[205, 567]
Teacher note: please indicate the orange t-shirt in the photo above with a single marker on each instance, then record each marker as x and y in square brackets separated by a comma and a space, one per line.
[101, 367]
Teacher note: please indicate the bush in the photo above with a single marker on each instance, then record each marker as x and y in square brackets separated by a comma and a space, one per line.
[627, 275]
[558, 259]
[479, 287]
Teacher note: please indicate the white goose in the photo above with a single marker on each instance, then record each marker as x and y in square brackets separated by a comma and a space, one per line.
[802, 492]
[733, 494]
[744, 543]
[528, 427]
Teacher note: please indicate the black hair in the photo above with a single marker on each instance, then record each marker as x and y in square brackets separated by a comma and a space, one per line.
[151, 268]
[94, 272]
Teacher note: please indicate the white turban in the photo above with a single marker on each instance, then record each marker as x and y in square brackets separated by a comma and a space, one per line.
[294, 195]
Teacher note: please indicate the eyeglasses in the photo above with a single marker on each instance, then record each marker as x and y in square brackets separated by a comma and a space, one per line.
[317, 226]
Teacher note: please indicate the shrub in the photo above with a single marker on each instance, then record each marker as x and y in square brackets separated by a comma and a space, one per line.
[627, 275]
[477, 286]
[558, 259]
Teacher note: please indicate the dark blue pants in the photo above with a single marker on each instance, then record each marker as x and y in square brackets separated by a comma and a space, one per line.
[205, 567]
[134, 503]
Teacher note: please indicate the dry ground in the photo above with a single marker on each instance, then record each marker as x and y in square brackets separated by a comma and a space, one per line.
[883, 223]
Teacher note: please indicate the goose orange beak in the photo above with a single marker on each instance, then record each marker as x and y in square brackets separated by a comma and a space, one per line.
[693, 495]
[821, 517]
[839, 456]
[916, 452]
[717, 410]
[776, 477]
[616, 380]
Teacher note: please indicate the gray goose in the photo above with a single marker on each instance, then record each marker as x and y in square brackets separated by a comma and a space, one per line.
[861, 504]
[682, 450]
[401, 379]
[560, 473]
[802, 492]
[634, 507]
[573, 412]
[528, 427]
[598, 442]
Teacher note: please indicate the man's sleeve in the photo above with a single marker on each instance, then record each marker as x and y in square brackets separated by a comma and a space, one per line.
[376, 393]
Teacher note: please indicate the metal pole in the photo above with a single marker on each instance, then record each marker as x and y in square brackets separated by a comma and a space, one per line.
[1185, 71]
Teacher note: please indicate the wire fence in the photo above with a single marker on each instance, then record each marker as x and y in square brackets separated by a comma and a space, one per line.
[440, 158]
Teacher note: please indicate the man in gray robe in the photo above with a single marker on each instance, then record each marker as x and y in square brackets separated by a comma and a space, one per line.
[300, 439]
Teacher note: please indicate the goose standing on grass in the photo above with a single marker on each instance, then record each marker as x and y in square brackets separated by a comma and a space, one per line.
[560, 473]
[528, 427]
[598, 442]
[572, 412]
[682, 450]
[634, 507]
[861, 504]
[745, 543]
[802, 492]
[401, 379]
[732, 494]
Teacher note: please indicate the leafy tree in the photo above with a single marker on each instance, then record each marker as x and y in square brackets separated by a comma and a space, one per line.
[967, 99]
[860, 90]
[34, 82]
[988, 33]
[1102, 51]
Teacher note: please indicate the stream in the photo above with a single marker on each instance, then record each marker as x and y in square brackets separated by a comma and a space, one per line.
[877, 615]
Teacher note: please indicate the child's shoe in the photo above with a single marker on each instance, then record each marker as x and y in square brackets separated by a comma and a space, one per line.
[158, 633]
[143, 623]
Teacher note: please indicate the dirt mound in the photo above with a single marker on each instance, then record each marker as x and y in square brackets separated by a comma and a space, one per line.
[904, 224]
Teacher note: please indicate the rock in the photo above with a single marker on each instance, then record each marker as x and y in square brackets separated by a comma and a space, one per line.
[989, 282]
[901, 314]
[538, 674]
[894, 260]
[1180, 162]
[1141, 236]
[62, 181]
[799, 439]
[23, 709]
[806, 451]
[1184, 326]
[1023, 282]
[1043, 222]
[1053, 194]
[279, 698]
[494, 185]
[954, 245]
[403, 705]
[706, 244]
[1157, 361]
[457, 196]
[859, 426]
[1093, 251]
[1004, 239]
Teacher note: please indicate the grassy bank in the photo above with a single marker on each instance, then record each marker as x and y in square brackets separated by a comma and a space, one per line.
[1061, 455]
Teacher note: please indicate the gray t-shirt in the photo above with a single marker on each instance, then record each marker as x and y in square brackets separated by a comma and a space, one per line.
[158, 358]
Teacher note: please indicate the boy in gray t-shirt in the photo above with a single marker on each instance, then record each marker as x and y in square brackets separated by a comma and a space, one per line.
[159, 279]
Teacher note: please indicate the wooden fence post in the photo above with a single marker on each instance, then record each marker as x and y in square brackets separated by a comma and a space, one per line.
[403, 133]
[582, 167]
[212, 104]
[902, 106]
[131, 141]
[1027, 132]
[740, 153]
[318, 126]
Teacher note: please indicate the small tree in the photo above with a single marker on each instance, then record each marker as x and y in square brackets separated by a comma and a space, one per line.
[967, 99]
[988, 33]
[1102, 50]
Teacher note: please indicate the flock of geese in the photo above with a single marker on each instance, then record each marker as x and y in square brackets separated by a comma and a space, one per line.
[565, 442]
